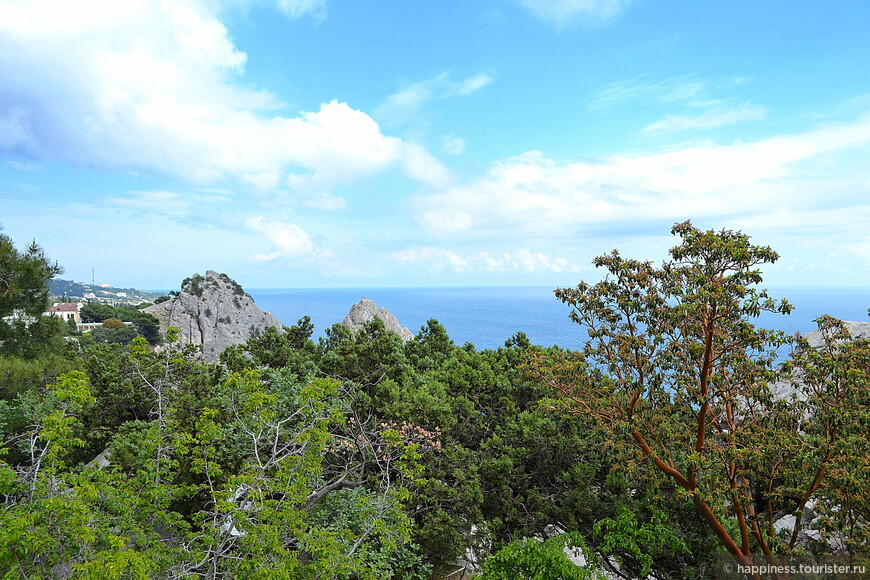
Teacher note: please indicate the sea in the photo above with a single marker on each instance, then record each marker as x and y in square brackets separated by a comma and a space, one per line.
[487, 317]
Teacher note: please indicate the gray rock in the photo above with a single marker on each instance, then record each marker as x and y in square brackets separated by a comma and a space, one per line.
[857, 330]
[213, 311]
[787, 388]
[366, 310]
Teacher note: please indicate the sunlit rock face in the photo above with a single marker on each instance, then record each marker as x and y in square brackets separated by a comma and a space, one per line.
[366, 310]
[213, 311]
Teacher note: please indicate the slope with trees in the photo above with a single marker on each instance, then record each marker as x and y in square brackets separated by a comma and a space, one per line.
[675, 377]
[656, 450]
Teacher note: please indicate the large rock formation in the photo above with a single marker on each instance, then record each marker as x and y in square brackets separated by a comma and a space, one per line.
[213, 311]
[366, 310]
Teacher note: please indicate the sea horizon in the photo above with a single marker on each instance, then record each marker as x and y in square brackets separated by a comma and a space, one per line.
[487, 316]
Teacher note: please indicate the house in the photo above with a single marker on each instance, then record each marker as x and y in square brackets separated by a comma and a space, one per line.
[65, 311]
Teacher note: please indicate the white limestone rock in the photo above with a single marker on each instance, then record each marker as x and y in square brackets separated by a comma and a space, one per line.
[213, 311]
[786, 388]
[366, 310]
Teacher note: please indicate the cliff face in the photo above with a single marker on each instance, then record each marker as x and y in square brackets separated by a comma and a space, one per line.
[366, 310]
[213, 311]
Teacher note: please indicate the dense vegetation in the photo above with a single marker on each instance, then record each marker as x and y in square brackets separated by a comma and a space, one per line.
[657, 449]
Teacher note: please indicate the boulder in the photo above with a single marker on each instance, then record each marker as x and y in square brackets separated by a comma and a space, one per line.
[213, 311]
[366, 310]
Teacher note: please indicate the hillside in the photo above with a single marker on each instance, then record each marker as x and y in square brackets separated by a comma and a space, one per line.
[81, 292]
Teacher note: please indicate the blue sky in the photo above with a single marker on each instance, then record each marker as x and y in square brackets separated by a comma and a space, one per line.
[318, 143]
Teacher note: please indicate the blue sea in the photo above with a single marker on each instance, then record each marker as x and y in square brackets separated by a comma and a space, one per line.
[487, 317]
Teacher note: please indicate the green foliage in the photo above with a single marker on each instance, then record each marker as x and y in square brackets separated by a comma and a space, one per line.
[832, 386]
[676, 377]
[97, 312]
[237, 288]
[145, 325]
[361, 456]
[113, 323]
[193, 285]
[18, 375]
[624, 534]
[24, 296]
[538, 560]
[24, 279]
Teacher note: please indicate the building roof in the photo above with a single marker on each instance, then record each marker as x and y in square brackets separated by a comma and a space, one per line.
[65, 307]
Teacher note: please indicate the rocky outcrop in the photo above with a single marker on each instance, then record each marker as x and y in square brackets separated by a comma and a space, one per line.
[787, 388]
[366, 310]
[857, 330]
[213, 311]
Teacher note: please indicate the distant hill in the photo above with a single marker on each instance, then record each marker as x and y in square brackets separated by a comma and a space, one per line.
[81, 292]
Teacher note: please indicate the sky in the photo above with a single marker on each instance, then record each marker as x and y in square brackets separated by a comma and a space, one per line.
[340, 143]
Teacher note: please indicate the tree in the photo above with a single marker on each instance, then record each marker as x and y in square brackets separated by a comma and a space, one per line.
[96, 312]
[675, 376]
[831, 383]
[539, 560]
[24, 296]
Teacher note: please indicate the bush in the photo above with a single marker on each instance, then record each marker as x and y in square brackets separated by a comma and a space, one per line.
[535, 560]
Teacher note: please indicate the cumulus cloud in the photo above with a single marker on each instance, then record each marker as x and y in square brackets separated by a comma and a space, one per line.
[156, 86]
[562, 13]
[436, 257]
[531, 194]
[290, 240]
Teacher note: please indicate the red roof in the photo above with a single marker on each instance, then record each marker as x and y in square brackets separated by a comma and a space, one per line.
[65, 307]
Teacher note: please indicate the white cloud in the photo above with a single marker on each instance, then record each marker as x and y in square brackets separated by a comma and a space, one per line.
[531, 195]
[446, 222]
[405, 105]
[562, 13]
[169, 203]
[709, 120]
[438, 259]
[538, 262]
[323, 201]
[453, 145]
[468, 86]
[701, 109]
[166, 202]
[298, 8]
[685, 90]
[155, 86]
[422, 166]
[291, 240]
[23, 166]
